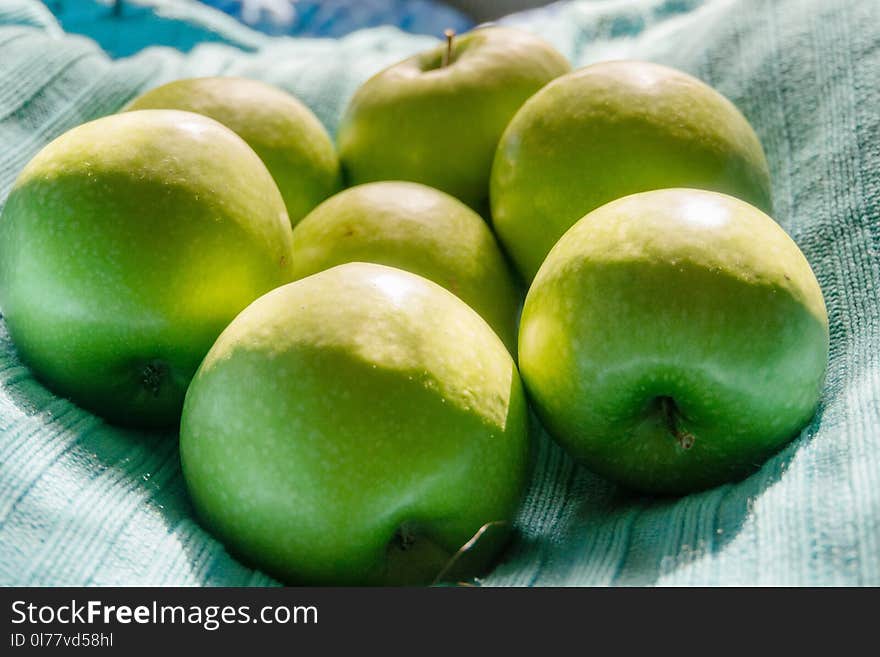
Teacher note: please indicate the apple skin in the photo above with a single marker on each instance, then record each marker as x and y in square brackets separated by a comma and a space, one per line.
[610, 130]
[675, 300]
[418, 229]
[445, 122]
[126, 246]
[375, 400]
[287, 136]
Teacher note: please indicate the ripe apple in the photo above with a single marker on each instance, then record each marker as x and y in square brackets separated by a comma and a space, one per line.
[126, 246]
[421, 230]
[382, 424]
[435, 118]
[609, 130]
[674, 339]
[286, 135]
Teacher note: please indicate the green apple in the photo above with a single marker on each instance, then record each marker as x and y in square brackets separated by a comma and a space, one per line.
[435, 118]
[609, 130]
[126, 247]
[382, 424]
[674, 339]
[419, 229]
[286, 135]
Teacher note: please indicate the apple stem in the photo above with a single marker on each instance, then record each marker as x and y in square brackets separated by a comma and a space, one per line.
[447, 54]
[672, 415]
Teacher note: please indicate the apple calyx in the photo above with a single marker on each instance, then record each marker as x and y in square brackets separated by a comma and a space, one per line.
[404, 537]
[671, 416]
[449, 33]
[412, 557]
[153, 375]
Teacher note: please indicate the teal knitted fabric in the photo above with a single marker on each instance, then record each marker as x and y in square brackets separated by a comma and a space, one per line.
[85, 503]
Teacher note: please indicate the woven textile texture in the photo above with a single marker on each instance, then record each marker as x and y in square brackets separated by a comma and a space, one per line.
[85, 503]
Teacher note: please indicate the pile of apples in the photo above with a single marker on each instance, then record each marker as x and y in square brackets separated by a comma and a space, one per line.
[352, 371]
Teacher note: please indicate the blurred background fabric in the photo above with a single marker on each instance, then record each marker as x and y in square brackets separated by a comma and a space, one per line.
[124, 27]
[85, 503]
[334, 18]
